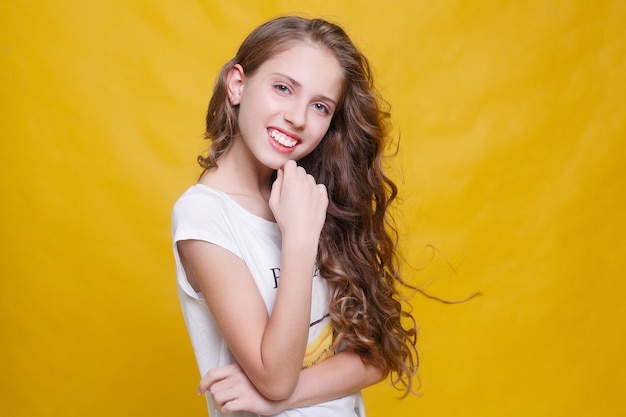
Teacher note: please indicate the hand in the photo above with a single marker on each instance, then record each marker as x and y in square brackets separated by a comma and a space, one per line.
[298, 203]
[232, 391]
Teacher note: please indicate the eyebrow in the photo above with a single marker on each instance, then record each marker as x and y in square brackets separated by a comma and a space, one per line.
[297, 84]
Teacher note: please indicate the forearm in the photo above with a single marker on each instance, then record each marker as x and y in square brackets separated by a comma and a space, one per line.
[335, 377]
[286, 334]
[340, 375]
[269, 348]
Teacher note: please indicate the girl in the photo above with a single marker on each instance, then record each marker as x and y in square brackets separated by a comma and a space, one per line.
[287, 272]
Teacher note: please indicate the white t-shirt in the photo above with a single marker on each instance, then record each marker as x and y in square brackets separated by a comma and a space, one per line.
[203, 213]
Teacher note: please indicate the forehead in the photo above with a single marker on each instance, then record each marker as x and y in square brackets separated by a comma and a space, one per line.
[312, 66]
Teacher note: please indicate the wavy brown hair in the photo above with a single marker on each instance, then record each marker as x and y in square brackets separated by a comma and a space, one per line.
[358, 243]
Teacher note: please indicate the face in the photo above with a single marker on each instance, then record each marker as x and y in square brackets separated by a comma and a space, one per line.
[286, 106]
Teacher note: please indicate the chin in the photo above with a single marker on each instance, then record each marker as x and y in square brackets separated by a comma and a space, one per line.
[274, 163]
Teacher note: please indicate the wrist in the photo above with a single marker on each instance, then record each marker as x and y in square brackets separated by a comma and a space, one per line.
[301, 247]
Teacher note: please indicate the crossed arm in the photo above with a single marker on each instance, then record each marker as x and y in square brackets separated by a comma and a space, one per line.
[338, 376]
[268, 377]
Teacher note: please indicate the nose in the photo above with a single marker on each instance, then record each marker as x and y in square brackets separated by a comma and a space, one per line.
[296, 114]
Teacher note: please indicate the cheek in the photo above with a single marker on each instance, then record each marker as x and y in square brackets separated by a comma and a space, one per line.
[247, 113]
[321, 127]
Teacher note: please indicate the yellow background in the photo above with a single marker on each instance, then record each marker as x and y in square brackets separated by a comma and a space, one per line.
[513, 136]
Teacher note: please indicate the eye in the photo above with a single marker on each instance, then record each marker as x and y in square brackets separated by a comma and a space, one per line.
[322, 108]
[281, 88]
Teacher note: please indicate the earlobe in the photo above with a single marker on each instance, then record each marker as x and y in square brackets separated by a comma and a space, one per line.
[235, 78]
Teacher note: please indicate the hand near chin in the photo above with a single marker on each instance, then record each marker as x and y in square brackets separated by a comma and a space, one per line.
[298, 203]
[232, 391]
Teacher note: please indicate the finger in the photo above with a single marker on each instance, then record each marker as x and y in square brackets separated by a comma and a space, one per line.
[290, 167]
[226, 391]
[215, 375]
[217, 405]
[235, 401]
[236, 404]
[323, 191]
[292, 171]
[222, 395]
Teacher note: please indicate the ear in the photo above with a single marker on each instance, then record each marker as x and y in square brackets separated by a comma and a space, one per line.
[235, 79]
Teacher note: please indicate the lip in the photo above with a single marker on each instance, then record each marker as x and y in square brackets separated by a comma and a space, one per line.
[277, 146]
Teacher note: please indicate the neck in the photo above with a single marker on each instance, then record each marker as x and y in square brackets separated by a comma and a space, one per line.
[239, 174]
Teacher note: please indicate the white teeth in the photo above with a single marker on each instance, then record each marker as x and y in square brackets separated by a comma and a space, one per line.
[283, 139]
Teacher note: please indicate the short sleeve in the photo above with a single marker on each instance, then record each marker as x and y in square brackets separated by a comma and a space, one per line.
[198, 216]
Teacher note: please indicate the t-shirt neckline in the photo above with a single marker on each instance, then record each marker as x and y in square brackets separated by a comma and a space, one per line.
[238, 206]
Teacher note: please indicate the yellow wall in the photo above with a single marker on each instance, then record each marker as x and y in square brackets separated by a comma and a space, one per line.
[513, 126]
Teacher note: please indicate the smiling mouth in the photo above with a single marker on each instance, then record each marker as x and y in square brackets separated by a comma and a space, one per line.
[283, 139]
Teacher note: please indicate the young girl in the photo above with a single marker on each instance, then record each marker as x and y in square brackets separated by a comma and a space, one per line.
[287, 271]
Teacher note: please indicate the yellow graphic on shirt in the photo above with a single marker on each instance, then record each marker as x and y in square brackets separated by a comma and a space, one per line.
[320, 348]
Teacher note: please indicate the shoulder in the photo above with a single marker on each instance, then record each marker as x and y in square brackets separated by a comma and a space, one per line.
[200, 199]
[201, 208]
[202, 213]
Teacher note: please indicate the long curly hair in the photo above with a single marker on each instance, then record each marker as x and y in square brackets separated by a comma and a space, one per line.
[358, 244]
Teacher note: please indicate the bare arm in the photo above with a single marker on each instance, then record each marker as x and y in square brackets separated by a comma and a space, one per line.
[269, 349]
[338, 376]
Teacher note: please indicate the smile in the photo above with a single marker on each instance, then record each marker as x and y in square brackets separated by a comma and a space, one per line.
[283, 139]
